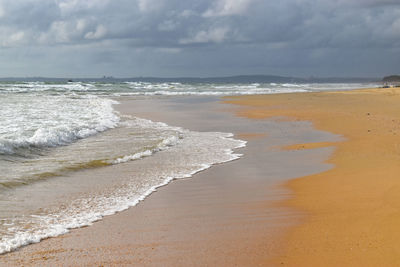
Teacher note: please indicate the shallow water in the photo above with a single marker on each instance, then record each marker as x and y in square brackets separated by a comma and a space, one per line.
[56, 140]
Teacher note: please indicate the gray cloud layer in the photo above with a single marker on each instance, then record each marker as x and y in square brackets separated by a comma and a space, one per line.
[199, 38]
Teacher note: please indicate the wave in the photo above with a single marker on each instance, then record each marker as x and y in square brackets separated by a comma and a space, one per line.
[32, 123]
[167, 137]
[168, 142]
[172, 88]
[199, 150]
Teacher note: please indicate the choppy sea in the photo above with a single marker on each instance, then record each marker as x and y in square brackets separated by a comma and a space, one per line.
[52, 133]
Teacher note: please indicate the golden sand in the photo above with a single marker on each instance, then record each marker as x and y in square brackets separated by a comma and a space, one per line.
[353, 210]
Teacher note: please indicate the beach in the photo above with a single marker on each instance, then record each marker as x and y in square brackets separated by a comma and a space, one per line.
[353, 209]
[226, 215]
[316, 186]
[199, 133]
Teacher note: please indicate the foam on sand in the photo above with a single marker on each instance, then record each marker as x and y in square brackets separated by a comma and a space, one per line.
[176, 158]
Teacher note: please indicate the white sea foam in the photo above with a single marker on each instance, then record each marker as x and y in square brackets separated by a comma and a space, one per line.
[172, 88]
[164, 144]
[47, 121]
[195, 152]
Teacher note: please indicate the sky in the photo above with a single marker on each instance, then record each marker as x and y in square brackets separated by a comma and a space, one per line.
[199, 38]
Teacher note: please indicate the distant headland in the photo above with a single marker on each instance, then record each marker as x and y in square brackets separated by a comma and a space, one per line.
[391, 78]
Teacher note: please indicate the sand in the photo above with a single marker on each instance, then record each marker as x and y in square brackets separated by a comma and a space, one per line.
[353, 210]
[228, 215]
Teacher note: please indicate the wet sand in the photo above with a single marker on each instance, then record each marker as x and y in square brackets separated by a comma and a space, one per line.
[227, 215]
[353, 210]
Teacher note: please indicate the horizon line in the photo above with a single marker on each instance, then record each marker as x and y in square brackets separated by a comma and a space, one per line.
[197, 77]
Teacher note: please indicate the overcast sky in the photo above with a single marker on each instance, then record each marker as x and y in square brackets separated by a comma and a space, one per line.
[170, 38]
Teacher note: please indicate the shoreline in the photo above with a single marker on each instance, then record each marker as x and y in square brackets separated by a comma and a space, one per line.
[353, 209]
[227, 216]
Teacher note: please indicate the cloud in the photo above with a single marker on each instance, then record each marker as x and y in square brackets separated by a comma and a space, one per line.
[303, 34]
[169, 50]
[97, 34]
[10, 39]
[150, 5]
[173, 23]
[214, 35]
[1, 11]
[228, 8]
[168, 25]
[72, 7]
[16, 37]
[368, 2]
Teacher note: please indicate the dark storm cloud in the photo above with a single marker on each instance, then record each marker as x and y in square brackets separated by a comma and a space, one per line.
[209, 37]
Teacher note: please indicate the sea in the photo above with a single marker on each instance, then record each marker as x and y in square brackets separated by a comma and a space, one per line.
[68, 157]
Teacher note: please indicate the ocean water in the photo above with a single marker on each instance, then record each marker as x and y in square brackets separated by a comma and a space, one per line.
[62, 143]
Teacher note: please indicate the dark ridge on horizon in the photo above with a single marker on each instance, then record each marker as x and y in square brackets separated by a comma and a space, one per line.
[226, 79]
[391, 78]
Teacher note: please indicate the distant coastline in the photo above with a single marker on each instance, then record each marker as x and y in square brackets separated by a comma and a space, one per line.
[227, 79]
[392, 78]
